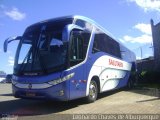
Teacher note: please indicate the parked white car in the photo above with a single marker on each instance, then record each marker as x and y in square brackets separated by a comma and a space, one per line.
[2, 79]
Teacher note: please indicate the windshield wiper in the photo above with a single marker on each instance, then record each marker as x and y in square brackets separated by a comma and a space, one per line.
[21, 69]
[34, 50]
[37, 53]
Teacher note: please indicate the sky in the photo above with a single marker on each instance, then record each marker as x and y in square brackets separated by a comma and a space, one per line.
[126, 20]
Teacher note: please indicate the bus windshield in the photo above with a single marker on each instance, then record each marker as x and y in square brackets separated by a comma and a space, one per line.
[41, 50]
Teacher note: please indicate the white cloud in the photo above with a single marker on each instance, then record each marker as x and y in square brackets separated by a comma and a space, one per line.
[15, 14]
[148, 5]
[138, 58]
[121, 40]
[144, 28]
[140, 39]
[10, 61]
[146, 37]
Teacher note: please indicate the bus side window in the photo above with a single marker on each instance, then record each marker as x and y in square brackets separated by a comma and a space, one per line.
[104, 43]
[76, 49]
[114, 48]
[97, 44]
[79, 45]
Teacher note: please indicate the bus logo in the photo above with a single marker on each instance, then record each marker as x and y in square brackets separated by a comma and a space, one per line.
[30, 86]
[115, 63]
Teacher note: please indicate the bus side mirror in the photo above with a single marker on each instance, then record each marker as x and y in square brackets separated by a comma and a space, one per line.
[8, 40]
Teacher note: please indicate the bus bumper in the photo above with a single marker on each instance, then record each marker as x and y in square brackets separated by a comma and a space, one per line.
[56, 92]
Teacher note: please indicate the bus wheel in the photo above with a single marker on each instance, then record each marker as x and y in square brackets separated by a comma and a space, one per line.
[93, 92]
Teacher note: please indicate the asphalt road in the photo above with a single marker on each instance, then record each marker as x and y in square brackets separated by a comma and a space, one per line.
[113, 102]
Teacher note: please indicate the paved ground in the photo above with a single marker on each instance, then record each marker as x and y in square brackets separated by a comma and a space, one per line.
[114, 102]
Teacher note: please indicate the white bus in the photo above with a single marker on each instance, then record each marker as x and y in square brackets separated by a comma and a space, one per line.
[68, 58]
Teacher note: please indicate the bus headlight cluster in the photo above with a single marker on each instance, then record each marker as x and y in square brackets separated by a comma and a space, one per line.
[14, 82]
[57, 81]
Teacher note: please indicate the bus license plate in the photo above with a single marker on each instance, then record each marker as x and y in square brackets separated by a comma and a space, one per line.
[30, 94]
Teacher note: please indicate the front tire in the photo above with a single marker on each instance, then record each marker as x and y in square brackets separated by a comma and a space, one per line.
[93, 92]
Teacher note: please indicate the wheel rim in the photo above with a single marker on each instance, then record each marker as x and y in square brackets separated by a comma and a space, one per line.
[92, 91]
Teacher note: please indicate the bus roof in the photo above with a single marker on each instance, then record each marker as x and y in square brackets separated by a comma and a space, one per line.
[74, 17]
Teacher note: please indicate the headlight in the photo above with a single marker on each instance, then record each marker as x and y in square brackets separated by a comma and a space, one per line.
[14, 79]
[14, 82]
[57, 81]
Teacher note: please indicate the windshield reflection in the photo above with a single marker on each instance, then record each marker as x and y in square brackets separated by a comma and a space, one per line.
[41, 50]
